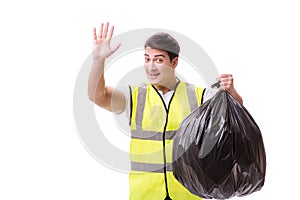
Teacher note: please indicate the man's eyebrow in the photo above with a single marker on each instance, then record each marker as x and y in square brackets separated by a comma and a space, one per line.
[158, 55]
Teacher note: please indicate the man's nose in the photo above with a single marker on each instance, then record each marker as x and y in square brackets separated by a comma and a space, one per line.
[152, 66]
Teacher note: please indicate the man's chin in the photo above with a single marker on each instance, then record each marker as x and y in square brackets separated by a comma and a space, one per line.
[157, 83]
[153, 82]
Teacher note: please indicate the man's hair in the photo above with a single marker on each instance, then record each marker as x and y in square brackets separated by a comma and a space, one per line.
[165, 42]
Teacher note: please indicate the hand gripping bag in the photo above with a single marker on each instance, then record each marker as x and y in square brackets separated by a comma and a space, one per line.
[218, 151]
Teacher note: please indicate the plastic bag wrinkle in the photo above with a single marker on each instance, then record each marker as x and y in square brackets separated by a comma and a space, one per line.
[218, 150]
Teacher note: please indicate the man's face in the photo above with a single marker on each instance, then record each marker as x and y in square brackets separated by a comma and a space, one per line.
[158, 67]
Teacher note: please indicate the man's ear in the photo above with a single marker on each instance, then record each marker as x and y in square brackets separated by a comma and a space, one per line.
[174, 62]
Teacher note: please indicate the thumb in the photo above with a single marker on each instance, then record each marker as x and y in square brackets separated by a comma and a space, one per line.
[116, 47]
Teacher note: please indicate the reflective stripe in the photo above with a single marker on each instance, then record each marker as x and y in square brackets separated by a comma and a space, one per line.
[191, 93]
[149, 167]
[152, 135]
[142, 91]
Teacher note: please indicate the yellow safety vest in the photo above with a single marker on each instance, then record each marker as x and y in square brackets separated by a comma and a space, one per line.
[153, 127]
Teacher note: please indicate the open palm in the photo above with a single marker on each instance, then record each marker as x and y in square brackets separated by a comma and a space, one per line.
[101, 42]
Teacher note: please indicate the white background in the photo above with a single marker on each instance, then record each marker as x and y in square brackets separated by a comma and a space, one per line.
[43, 45]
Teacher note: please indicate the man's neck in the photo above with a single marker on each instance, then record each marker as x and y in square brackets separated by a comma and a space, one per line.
[167, 87]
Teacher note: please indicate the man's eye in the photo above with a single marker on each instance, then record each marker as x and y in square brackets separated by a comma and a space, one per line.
[147, 59]
[159, 60]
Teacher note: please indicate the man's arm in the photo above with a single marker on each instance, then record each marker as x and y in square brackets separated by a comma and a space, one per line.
[102, 95]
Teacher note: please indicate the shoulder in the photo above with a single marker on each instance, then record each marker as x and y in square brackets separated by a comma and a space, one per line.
[137, 87]
[196, 90]
[194, 87]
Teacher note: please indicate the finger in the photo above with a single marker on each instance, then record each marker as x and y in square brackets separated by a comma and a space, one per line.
[116, 47]
[228, 79]
[224, 86]
[105, 29]
[226, 83]
[100, 31]
[225, 75]
[111, 32]
[94, 34]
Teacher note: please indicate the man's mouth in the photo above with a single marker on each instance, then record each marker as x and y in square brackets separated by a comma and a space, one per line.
[153, 76]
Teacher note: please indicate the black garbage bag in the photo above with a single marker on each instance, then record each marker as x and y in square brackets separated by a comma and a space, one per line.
[218, 151]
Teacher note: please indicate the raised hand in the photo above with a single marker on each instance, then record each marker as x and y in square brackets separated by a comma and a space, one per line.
[101, 42]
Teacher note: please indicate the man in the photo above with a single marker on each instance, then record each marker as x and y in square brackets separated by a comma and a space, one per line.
[156, 110]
